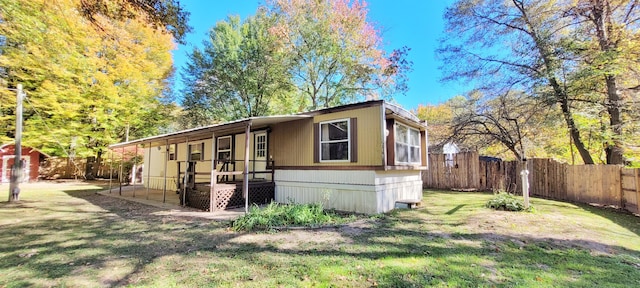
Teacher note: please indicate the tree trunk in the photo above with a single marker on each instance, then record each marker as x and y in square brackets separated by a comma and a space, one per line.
[573, 130]
[88, 171]
[615, 149]
[98, 165]
[601, 18]
[559, 92]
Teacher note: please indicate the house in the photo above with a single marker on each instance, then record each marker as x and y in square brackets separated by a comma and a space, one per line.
[361, 157]
[31, 167]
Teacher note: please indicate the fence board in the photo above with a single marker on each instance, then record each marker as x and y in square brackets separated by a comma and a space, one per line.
[630, 183]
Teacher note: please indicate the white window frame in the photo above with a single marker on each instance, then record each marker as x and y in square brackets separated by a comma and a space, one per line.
[199, 146]
[335, 141]
[218, 150]
[407, 142]
[257, 149]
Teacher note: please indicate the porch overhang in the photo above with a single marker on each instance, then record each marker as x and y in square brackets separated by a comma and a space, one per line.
[205, 132]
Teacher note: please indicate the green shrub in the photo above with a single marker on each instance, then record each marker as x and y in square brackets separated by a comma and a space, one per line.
[505, 201]
[277, 215]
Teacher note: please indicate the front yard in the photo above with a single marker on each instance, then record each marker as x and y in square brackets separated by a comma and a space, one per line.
[66, 235]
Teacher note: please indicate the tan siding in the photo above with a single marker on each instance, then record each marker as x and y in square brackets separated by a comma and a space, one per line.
[292, 142]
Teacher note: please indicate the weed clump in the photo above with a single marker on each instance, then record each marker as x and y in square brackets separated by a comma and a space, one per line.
[506, 202]
[277, 215]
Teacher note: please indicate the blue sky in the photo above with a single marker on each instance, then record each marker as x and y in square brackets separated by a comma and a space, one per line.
[417, 24]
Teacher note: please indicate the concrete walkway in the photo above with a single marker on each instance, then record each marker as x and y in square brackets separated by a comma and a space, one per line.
[170, 205]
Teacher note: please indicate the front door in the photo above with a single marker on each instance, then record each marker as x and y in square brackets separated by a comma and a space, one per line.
[260, 154]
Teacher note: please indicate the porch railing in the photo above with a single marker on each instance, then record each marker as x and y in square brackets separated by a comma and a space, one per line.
[225, 168]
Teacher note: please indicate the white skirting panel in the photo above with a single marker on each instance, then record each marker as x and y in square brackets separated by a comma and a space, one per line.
[397, 185]
[355, 191]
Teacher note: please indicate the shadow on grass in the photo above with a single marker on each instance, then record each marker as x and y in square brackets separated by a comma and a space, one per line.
[394, 252]
[621, 217]
[454, 209]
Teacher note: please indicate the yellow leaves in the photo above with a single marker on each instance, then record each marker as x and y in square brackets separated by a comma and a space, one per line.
[76, 72]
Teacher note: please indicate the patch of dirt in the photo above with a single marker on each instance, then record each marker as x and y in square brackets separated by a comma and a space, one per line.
[524, 228]
[296, 236]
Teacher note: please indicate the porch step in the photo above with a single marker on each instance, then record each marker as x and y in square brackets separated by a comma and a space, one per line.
[408, 203]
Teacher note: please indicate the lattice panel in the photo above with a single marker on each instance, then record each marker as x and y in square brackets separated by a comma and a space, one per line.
[262, 193]
[198, 199]
[229, 196]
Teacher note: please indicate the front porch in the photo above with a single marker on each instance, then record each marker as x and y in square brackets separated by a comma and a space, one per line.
[212, 168]
[170, 203]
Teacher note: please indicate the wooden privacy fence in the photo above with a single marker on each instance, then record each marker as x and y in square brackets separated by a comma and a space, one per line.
[463, 171]
[594, 184]
[65, 168]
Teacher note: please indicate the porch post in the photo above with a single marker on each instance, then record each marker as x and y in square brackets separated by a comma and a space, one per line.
[148, 164]
[184, 179]
[121, 168]
[214, 176]
[134, 171]
[166, 160]
[245, 173]
[110, 170]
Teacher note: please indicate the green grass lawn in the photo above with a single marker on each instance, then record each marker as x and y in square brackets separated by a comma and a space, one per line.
[66, 235]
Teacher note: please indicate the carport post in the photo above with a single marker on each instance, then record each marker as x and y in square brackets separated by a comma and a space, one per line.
[245, 173]
[120, 174]
[166, 160]
[110, 170]
[134, 171]
[214, 176]
[148, 165]
[186, 170]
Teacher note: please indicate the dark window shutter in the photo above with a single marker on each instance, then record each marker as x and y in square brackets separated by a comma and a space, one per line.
[391, 143]
[316, 142]
[354, 139]
[423, 148]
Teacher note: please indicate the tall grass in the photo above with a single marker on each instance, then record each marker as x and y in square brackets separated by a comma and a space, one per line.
[281, 215]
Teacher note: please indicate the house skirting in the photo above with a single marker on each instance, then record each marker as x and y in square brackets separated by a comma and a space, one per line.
[364, 191]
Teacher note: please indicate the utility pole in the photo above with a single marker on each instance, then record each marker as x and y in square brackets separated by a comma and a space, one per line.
[16, 169]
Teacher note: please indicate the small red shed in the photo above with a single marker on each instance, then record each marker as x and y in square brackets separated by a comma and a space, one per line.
[32, 158]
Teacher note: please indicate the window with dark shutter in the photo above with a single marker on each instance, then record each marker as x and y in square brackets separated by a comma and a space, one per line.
[334, 141]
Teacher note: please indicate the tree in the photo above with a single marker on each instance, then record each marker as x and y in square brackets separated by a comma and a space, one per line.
[159, 13]
[239, 73]
[539, 47]
[509, 119]
[439, 121]
[608, 24]
[336, 53]
[84, 88]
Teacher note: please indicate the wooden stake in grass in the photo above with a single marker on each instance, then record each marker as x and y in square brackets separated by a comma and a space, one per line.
[525, 183]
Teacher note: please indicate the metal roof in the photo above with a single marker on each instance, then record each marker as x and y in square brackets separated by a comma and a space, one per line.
[206, 132]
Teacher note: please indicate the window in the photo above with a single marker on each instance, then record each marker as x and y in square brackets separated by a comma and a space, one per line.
[172, 152]
[334, 140]
[195, 152]
[407, 145]
[261, 145]
[224, 148]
